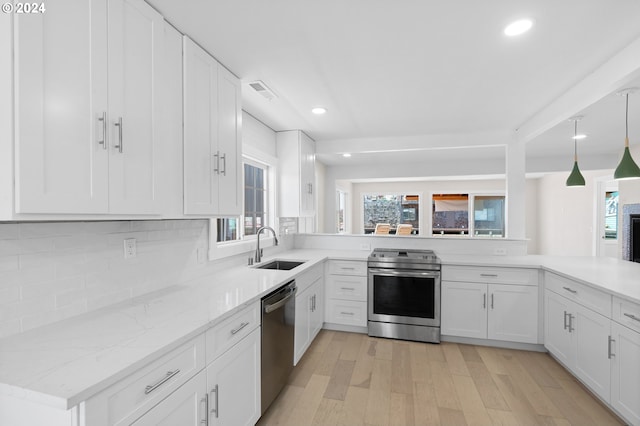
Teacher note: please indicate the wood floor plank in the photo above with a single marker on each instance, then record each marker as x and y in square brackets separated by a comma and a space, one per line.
[553, 368]
[384, 349]
[340, 379]
[328, 413]
[401, 373]
[589, 404]
[352, 346]
[473, 408]
[469, 353]
[425, 406]
[451, 417]
[306, 366]
[305, 409]
[434, 352]
[328, 358]
[502, 418]
[377, 412]
[492, 359]
[340, 336]
[321, 341]
[517, 401]
[361, 376]
[489, 392]
[537, 370]
[570, 410]
[354, 407]
[445, 390]
[419, 362]
[455, 361]
[401, 408]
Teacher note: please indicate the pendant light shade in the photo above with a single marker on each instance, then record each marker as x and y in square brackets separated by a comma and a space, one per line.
[575, 178]
[627, 169]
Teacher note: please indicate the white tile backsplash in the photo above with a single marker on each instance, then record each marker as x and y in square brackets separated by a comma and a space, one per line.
[50, 271]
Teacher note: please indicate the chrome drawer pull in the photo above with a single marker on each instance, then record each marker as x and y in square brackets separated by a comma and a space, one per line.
[216, 168]
[215, 410]
[205, 399]
[565, 320]
[347, 288]
[491, 300]
[484, 301]
[103, 119]
[570, 290]
[347, 313]
[243, 325]
[151, 388]
[224, 163]
[347, 268]
[633, 317]
[119, 126]
[609, 353]
[571, 317]
[489, 275]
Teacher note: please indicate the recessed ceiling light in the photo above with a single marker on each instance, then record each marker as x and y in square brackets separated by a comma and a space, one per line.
[518, 27]
[578, 137]
[319, 110]
[346, 155]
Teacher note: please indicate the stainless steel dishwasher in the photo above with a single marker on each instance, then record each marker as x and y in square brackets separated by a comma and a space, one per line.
[278, 317]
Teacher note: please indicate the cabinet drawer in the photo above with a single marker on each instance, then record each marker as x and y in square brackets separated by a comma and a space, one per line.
[480, 274]
[308, 277]
[226, 334]
[626, 313]
[348, 267]
[347, 287]
[347, 312]
[128, 399]
[589, 297]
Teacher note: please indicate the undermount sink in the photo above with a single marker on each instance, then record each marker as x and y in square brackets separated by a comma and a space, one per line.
[281, 265]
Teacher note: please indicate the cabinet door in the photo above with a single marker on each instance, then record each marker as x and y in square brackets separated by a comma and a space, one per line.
[60, 108]
[136, 33]
[464, 309]
[186, 406]
[201, 159]
[513, 313]
[233, 382]
[592, 364]
[307, 176]
[557, 338]
[625, 372]
[230, 193]
[317, 310]
[302, 334]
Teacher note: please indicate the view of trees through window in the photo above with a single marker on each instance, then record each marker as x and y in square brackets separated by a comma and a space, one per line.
[451, 215]
[391, 209]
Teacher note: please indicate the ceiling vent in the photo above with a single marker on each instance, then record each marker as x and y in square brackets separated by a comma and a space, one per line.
[262, 89]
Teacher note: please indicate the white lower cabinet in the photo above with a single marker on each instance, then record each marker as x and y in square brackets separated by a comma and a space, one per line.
[233, 383]
[186, 406]
[625, 372]
[309, 318]
[490, 311]
[346, 293]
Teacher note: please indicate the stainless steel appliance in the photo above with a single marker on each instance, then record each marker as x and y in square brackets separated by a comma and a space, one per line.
[404, 294]
[278, 317]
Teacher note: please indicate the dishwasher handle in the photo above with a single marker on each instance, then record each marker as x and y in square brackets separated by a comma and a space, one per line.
[286, 295]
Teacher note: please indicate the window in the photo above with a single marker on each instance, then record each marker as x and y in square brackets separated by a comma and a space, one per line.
[611, 215]
[391, 209]
[255, 205]
[451, 215]
[341, 203]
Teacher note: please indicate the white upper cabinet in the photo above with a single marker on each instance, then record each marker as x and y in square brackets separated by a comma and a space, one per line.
[296, 166]
[87, 110]
[212, 147]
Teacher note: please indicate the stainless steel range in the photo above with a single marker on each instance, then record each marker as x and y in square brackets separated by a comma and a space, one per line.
[404, 294]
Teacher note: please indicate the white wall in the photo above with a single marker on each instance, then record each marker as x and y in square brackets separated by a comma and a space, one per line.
[257, 136]
[6, 115]
[51, 271]
[566, 215]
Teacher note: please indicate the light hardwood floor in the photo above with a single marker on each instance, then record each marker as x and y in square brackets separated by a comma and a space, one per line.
[352, 379]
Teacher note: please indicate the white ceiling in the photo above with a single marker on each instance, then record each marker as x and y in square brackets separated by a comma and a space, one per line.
[388, 69]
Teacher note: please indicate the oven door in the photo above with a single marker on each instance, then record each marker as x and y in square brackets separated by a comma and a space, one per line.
[404, 296]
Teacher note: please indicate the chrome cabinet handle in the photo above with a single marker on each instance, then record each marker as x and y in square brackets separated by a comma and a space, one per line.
[571, 317]
[216, 168]
[347, 313]
[119, 126]
[310, 185]
[103, 142]
[205, 399]
[609, 353]
[243, 325]
[491, 300]
[347, 268]
[633, 317]
[347, 288]
[489, 275]
[565, 320]
[215, 411]
[150, 388]
[570, 290]
[224, 163]
[484, 301]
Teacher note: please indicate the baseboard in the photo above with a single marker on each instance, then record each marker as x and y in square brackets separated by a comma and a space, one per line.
[342, 327]
[494, 343]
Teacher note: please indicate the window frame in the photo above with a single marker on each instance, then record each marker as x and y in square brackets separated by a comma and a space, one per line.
[470, 209]
[421, 217]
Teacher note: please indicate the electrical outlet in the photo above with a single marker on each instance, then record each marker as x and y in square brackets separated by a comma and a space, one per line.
[365, 246]
[130, 248]
[500, 251]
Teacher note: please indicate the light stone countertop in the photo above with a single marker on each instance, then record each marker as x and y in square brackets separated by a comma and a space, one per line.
[68, 362]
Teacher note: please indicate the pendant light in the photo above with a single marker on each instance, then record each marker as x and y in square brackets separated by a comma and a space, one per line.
[575, 178]
[627, 169]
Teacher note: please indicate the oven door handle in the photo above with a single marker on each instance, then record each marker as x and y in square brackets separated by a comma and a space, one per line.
[404, 273]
